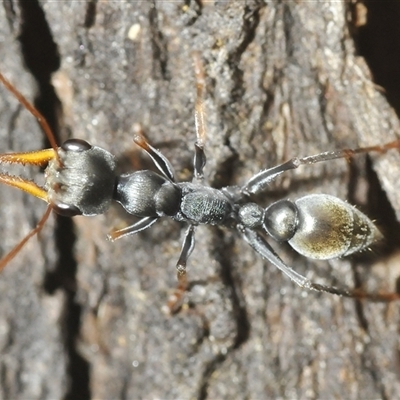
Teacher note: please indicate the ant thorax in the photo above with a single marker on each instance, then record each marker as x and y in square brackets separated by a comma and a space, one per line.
[204, 205]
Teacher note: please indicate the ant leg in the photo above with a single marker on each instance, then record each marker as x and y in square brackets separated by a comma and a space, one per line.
[261, 180]
[263, 248]
[141, 225]
[199, 116]
[187, 248]
[188, 245]
[160, 161]
[357, 293]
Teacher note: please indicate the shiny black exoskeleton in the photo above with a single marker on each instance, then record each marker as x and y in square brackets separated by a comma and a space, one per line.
[83, 181]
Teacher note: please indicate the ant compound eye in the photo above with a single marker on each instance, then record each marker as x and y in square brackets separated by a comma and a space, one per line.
[66, 210]
[76, 145]
[281, 220]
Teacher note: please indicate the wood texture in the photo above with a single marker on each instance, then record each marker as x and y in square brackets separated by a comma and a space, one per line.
[81, 317]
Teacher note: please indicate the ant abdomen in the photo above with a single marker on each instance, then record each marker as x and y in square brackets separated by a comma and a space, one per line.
[320, 226]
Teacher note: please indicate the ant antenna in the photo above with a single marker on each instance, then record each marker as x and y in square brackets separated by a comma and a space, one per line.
[39, 158]
[21, 244]
[31, 108]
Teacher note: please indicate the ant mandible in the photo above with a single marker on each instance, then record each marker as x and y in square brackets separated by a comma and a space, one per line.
[81, 179]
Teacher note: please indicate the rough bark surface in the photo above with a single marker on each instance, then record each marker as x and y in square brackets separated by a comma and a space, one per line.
[82, 317]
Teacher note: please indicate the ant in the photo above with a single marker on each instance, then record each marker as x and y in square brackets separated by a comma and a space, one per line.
[81, 179]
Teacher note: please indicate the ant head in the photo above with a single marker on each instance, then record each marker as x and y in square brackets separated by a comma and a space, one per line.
[81, 180]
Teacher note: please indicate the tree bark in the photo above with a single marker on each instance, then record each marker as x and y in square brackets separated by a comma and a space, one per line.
[82, 317]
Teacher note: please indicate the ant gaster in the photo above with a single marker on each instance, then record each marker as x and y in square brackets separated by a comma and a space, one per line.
[81, 179]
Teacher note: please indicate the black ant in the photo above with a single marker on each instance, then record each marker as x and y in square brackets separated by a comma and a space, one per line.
[81, 179]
